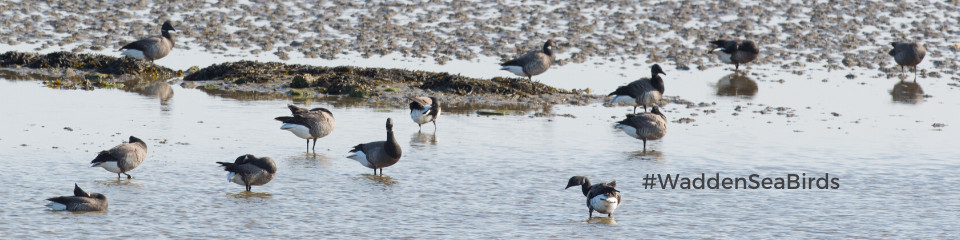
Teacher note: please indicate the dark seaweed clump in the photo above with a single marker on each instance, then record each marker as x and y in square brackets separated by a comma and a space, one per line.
[347, 80]
[86, 62]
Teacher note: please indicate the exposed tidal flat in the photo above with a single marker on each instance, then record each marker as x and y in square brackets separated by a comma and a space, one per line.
[823, 98]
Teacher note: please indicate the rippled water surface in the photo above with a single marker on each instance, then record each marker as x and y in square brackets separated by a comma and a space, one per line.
[501, 176]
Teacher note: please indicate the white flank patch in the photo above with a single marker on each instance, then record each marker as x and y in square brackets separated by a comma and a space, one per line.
[297, 129]
[624, 99]
[56, 206]
[361, 157]
[628, 130]
[133, 53]
[109, 166]
[603, 204]
[725, 57]
[515, 70]
[421, 116]
[235, 178]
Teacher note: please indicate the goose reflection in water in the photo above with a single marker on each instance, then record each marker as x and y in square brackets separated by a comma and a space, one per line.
[424, 138]
[907, 92]
[157, 89]
[736, 85]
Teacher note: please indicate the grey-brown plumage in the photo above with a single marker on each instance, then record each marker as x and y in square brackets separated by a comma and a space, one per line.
[644, 92]
[249, 170]
[533, 63]
[80, 201]
[424, 110]
[908, 55]
[602, 197]
[309, 124]
[735, 52]
[152, 48]
[645, 126]
[122, 158]
[380, 154]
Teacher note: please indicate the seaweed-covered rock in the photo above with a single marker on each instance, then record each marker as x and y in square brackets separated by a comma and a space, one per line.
[356, 81]
[86, 62]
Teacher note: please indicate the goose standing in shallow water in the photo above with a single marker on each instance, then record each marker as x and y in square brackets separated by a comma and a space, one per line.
[424, 110]
[122, 158]
[248, 170]
[602, 197]
[533, 63]
[645, 126]
[151, 48]
[643, 92]
[380, 154]
[908, 54]
[308, 124]
[736, 53]
[80, 201]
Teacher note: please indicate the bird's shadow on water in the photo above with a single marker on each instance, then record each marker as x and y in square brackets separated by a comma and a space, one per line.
[648, 155]
[122, 182]
[419, 139]
[309, 159]
[251, 195]
[611, 221]
[381, 180]
[907, 92]
[736, 84]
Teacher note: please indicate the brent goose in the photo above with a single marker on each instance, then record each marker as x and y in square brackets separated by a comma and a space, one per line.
[122, 158]
[533, 63]
[308, 124]
[645, 126]
[643, 92]
[80, 201]
[601, 197]
[248, 170]
[908, 54]
[424, 110]
[735, 52]
[151, 48]
[379, 154]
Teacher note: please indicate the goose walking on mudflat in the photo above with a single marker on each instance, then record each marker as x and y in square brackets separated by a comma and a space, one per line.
[80, 201]
[122, 158]
[533, 63]
[602, 197]
[309, 124]
[645, 126]
[644, 92]
[249, 170]
[379, 154]
[734, 52]
[424, 110]
[151, 48]
[909, 55]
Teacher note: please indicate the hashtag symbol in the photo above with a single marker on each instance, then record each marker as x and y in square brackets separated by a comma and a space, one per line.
[649, 181]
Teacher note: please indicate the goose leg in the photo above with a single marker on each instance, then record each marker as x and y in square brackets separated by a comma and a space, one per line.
[591, 213]
[128, 175]
[420, 126]
[634, 109]
[609, 215]
[314, 144]
[644, 145]
[736, 67]
[434, 125]
[248, 188]
[915, 73]
[118, 176]
[308, 145]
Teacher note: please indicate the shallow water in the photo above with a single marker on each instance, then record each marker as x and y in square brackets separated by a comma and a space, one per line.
[501, 176]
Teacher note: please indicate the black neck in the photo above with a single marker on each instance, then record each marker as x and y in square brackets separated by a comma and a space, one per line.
[585, 186]
[657, 82]
[391, 146]
[166, 34]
